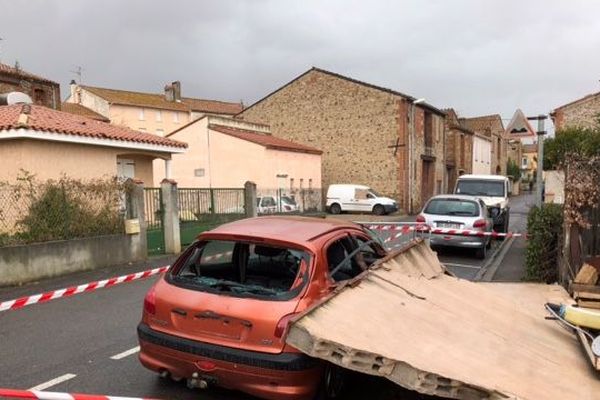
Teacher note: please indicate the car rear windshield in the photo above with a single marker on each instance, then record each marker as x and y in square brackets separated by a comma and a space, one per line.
[243, 269]
[464, 208]
[473, 187]
[288, 200]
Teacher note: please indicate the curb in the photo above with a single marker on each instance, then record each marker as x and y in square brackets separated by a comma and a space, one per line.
[488, 270]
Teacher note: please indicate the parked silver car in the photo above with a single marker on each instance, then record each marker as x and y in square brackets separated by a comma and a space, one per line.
[458, 212]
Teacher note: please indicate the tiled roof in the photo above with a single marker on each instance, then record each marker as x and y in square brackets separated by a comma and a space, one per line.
[7, 69]
[213, 106]
[39, 118]
[530, 148]
[153, 100]
[78, 109]
[483, 123]
[263, 139]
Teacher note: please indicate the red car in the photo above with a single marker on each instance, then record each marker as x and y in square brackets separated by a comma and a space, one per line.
[220, 315]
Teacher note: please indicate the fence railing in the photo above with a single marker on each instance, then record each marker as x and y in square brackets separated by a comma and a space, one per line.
[196, 202]
[285, 201]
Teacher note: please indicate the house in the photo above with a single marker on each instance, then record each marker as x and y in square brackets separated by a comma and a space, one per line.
[369, 135]
[78, 109]
[158, 114]
[50, 143]
[225, 153]
[491, 127]
[459, 149]
[581, 113]
[41, 90]
[529, 162]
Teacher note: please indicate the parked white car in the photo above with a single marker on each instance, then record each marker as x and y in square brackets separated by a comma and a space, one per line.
[358, 198]
[274, 204]
[494, 190]
[458, 212]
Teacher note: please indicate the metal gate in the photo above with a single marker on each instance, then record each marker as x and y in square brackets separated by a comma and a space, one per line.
[153, 207]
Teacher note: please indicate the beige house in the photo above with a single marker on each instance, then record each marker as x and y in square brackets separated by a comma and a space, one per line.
[529, 161]
[491, 127]
[158, 114]
[50, 143]
[225, 153]
[459, 149]
[369, 135]
[581, 113]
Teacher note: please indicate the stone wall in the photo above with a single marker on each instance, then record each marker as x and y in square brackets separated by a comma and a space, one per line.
[352, 123]
[43, 93]
[583, 114]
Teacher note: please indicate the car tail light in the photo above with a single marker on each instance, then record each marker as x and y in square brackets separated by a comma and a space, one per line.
[420, 219]
[283, 324]
[150, 301]
[480, 223]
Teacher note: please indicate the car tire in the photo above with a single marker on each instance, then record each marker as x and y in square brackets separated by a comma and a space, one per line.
[378, 209]
[335, 208]
[333, 383]
[481, 252]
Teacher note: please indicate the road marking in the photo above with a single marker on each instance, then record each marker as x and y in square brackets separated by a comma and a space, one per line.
[53, 382]
[461, 265]
[126, 353]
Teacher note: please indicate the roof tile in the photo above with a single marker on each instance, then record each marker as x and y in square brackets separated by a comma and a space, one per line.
[7, 69]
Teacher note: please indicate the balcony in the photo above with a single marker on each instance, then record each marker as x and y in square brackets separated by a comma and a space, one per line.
[428, 153]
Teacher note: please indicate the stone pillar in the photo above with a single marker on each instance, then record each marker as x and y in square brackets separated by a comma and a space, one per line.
[137, 211]
[167, 169]
[170, 206]
[250, 199]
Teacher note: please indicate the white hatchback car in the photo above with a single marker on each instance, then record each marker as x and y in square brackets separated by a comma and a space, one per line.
[458, 212]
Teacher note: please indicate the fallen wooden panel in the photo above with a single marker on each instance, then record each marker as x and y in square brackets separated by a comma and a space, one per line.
[425, 330]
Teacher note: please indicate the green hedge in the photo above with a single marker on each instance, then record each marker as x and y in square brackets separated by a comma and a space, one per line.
[544, 226]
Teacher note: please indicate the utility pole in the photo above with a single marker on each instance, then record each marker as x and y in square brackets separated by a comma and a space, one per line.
[540, 158]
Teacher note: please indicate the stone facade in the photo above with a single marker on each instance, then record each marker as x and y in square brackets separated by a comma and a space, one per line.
[459, 149]
[582, 113]
[492, 127]
[364, 131]
[42, 91]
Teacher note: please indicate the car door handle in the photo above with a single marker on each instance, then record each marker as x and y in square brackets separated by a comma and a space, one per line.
[179, 311]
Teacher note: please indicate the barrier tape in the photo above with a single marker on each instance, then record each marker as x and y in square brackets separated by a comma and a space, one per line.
[73, 290]
[442, 231]
[35, 394]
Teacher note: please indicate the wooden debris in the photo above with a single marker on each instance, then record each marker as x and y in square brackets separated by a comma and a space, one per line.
[587, 347]
[587, 275]
[587, 296]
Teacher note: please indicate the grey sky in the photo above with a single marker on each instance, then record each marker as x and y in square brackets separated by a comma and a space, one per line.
[478, 56]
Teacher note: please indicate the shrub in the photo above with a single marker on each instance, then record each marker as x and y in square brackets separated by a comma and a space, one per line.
[544, 226]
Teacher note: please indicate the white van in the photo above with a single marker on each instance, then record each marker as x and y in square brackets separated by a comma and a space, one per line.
[494, 190]
[358, 198]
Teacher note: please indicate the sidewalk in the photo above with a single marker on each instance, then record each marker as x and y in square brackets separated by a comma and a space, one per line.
[512, 267]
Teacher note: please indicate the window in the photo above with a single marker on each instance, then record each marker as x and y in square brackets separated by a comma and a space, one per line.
[242, 269]
[310, 184]
[291, 184]
[301, 183]
[349, 256]
[141, 115]
[160, 132]
[38, 96]
[158, 116]
[176, 117]
[524, 163]
[465, 208]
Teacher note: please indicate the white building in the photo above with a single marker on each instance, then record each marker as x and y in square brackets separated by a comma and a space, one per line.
[482, 154]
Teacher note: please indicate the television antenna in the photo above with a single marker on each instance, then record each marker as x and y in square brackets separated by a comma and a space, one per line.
[79, 72]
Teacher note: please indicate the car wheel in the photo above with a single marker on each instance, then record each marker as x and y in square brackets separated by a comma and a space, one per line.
[378, 209]
[335, 208]
[481, 252]
[333, 383]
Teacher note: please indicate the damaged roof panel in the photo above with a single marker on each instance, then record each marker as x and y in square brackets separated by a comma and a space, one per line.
[428, 331]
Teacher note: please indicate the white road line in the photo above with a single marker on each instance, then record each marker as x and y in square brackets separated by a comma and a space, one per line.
[462, 265]
[125, 353]
[53, 382]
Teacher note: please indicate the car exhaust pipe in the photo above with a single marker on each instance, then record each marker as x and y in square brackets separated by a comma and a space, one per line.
[196, 382]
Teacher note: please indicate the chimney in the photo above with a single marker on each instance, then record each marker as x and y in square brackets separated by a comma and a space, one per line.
[176, 90]
[75, 94]
[169, 93]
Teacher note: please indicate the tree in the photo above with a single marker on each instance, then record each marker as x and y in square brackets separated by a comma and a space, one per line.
[582, 142]
[512, 169]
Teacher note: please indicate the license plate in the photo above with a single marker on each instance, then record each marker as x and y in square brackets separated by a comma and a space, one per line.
[449, 225]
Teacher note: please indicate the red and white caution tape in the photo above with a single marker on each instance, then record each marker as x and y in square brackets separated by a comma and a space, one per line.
[441, 231]
[73, 290]
[216, 256]
[35, 394]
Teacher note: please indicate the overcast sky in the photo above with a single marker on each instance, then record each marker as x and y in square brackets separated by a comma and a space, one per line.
[477, 56]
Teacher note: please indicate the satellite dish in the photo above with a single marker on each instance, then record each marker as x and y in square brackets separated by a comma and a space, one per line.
[8, 99]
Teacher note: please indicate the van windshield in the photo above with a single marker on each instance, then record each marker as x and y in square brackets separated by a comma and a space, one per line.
[242, 269]
[474, 187]
[374, 193]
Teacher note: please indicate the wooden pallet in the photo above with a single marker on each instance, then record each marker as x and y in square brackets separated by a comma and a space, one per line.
[587, 296]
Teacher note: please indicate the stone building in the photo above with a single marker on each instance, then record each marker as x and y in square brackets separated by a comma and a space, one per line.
[581, 113]
[42, 91]
[368, 134]
[492, 127]
[459, 149]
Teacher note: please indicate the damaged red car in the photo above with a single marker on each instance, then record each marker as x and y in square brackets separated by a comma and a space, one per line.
[220, 315]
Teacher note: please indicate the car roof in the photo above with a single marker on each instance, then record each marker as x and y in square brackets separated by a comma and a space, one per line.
[455, 197]
[486, 177]
[300, 230]
[349, 185]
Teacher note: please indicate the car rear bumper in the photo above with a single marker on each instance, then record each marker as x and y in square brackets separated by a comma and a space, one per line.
[458, 241]
[291, 376]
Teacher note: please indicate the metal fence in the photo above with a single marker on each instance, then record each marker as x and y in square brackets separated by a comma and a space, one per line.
[60, 210]
[282, 201]
[195, 202]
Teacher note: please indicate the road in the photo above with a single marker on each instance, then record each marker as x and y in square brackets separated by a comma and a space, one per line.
[86, 343]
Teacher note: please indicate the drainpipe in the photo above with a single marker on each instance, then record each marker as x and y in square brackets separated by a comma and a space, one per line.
[168, 168]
